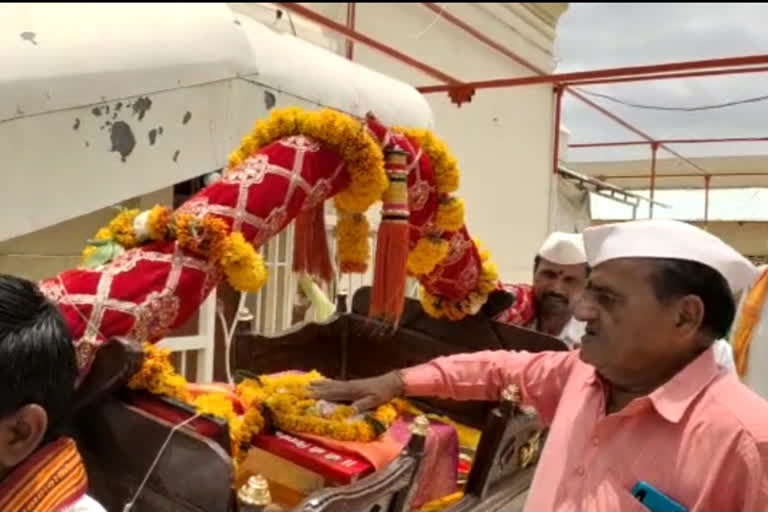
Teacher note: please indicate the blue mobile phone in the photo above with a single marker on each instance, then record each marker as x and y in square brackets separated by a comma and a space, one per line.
[655, 500]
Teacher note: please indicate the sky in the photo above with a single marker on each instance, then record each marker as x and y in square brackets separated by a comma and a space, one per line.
[594, 36]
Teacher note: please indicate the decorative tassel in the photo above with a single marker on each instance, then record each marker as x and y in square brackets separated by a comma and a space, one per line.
[310, 245]
[389, 280]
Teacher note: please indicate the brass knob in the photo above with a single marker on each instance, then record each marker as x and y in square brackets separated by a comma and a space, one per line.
[255, 492]
[420, 426]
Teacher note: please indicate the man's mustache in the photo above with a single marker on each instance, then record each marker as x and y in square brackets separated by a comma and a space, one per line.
[553, 296]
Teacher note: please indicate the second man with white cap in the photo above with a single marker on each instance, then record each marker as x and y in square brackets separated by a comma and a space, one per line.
[559, 274]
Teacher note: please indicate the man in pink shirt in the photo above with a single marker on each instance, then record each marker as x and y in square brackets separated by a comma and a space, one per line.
[643, 399]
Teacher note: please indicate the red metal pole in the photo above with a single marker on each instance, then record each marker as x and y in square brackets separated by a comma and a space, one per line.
[606, 74]
[363, 39]
[351, 26]
[634, 130]
[706, 199]
[558, 110]
[666, 141]
[666, 76]
[680, 175]
[750, 60]
[654, 150]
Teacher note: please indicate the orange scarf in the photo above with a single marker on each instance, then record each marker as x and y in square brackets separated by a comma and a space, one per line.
[747, 322]
[52, 479]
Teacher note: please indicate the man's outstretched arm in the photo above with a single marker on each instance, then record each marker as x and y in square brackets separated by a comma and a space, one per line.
[540, 377]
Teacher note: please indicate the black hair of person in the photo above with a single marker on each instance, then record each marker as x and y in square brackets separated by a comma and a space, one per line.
[674, 278]
[37, 357]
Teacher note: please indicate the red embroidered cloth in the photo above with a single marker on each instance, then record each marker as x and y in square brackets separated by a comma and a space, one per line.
[147, 291]
[522, 312]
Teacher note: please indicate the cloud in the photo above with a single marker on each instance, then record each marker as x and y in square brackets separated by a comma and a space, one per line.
[595, 36]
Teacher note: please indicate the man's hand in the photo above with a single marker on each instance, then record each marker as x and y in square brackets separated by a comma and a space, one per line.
[365, 394]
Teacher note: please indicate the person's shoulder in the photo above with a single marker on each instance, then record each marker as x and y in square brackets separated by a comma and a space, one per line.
[732, 405]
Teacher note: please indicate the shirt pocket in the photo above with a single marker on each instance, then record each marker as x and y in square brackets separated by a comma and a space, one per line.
[612, 494]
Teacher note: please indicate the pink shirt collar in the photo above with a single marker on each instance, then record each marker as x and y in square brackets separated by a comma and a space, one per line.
[673, 398]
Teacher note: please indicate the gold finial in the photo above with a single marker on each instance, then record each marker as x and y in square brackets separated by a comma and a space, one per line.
[511, 394]
[420, 426]
[255, 492]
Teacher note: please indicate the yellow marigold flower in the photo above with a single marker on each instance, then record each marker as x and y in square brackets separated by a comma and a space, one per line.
[427, 254]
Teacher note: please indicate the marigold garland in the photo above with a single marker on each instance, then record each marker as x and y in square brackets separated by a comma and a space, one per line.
[444, 164]
[205, 236]
[450, 214]
[284, 396]
[427, 254]
[208, 236]
[340, 132]
[353, 242]
[438, 307]
[157, 222]
[243, 266]
[121, 228]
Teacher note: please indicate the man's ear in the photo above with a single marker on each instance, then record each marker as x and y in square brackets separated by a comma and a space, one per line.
[690, 315]
[21, 433]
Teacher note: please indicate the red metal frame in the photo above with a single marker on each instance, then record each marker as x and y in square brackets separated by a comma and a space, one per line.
[356, 36]
[666, 76]
[610, 75]
[654, 153]
[556, 138]
[351, 10]
[707, 179]
[666, 141]
[680, 175]
[461, 92]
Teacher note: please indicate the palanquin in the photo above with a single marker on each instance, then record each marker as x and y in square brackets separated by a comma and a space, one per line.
[120, 436]
[146, 272]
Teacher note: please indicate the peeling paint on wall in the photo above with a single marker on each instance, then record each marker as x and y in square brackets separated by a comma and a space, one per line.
[29, 36]
[269, 100]
[123, 140]
[141, 106]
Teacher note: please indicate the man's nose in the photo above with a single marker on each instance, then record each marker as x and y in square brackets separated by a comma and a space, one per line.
[583, 309]
[560, 288]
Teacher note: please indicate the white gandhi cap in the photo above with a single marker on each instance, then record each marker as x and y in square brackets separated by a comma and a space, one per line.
[563, 249]
[668, 239]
